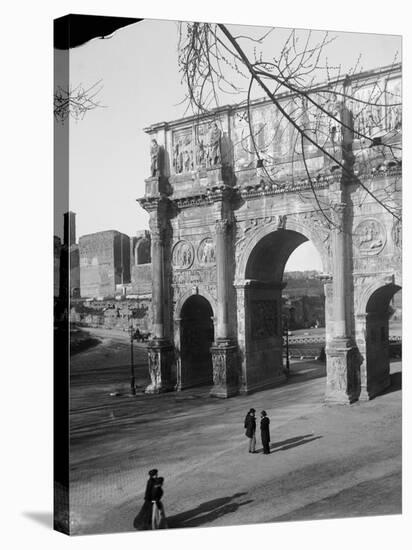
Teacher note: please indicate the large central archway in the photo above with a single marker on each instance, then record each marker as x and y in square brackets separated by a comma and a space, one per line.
[196, 338]
[261, 338]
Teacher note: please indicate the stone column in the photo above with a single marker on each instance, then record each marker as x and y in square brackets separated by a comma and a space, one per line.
[339, 272]
[222, 329]
[177, 321]
[224, 351]
[160, 351]
[343, 358]
[158, 281]
[361, 321]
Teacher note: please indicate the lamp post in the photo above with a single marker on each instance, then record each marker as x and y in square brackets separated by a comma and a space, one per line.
[132, 381]
[286, 334]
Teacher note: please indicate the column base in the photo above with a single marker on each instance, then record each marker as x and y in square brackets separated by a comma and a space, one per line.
[160, 357]
[374, 389]
[225, 369]
[343, 372]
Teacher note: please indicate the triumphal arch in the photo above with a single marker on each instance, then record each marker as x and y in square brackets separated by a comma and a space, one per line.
[230, 199]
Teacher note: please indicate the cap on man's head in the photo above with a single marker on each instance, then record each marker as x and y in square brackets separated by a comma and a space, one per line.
[263, 413]
[153, 472]
[252, 410]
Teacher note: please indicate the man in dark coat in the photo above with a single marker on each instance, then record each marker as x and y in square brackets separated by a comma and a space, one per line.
[143, 520]
[250, 426]
[264, 432]
[150, 484]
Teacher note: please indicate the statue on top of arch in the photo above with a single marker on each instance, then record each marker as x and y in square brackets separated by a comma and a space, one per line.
[214, 155]
[154, 159]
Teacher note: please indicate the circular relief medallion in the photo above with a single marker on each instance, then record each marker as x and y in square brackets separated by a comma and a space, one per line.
[206, 252]
[369, 237]
[183, 255]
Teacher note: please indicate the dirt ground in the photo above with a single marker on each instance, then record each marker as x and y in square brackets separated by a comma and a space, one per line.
[325, 462]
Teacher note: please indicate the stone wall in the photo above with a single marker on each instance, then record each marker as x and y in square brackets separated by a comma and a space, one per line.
[104, 262]
[141, 279]
[112, 314]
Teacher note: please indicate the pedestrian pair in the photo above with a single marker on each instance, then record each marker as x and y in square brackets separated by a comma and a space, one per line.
[250, 427]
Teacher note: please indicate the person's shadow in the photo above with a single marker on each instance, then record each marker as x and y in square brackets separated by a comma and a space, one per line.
[207, 512]
[291, 443]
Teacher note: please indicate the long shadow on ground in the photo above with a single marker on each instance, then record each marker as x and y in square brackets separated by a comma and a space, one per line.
[292, 442]
[207, 512]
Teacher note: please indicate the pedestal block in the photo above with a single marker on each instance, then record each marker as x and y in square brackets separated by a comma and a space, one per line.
[343, 372]
[225, 369]
[160, 356]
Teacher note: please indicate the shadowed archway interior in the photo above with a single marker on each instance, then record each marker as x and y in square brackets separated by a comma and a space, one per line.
[197, 335]
[377, 338]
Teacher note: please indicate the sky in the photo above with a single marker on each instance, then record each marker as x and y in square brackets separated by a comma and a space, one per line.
[109, 152]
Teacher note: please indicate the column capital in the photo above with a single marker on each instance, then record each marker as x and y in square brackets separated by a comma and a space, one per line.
[338, 210]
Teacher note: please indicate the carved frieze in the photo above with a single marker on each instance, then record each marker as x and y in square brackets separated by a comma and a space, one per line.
[194, 276]
[369, 237]
[225, 375]
[183, 255]
[154, 368]
[183, 151]
[208, 146]
[337, 377]
[278, 221]
[219, 368]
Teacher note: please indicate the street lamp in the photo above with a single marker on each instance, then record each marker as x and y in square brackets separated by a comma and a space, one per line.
[286, 334]
[132, 381]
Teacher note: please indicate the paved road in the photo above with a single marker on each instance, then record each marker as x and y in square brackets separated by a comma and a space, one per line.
[325, 461]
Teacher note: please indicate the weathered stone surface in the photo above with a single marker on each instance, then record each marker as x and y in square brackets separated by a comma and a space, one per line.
[104, 262]
[160, 357]
[224, 222]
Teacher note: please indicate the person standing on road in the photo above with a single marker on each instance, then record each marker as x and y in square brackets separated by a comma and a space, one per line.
[264, 432]
[158, 511]
[250, 426]
[143, 520]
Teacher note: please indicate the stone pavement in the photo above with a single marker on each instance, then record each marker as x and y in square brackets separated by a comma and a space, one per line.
[325, 461]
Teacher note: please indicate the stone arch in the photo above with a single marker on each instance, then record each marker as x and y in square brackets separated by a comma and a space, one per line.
[374, 286]
[372, 322]
[142, 251]
[199, 292]
[259, 283]
[292, 224]
[194, 336]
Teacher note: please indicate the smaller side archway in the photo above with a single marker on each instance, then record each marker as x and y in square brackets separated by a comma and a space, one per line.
[375, 347]
[196, 336]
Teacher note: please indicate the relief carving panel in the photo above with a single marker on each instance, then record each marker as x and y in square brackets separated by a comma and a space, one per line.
[369, 237]
[183, 151]
[206, 252]
[183, 255]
